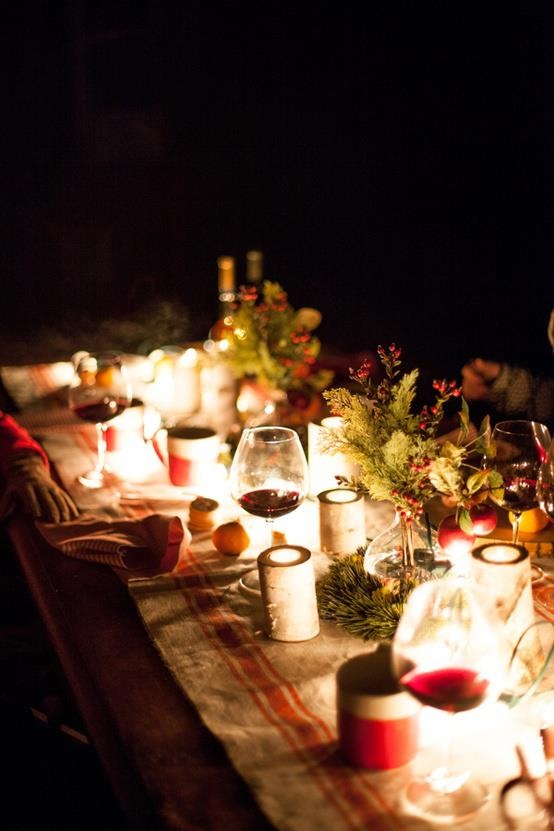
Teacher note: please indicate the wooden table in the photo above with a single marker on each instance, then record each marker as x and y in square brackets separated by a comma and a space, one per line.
[166, 769]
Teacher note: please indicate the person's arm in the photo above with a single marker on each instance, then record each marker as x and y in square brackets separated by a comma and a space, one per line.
[517, 390]
[14, 440]
[511, 390]
[26, 480]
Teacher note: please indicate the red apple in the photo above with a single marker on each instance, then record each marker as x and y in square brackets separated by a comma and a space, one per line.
[484, 519]
[452, 539]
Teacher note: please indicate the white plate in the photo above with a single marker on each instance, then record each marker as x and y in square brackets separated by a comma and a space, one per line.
[250, 583]
[537, 574]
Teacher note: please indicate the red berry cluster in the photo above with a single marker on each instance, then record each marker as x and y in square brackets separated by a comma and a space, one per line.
[264, 316]
[431, 415]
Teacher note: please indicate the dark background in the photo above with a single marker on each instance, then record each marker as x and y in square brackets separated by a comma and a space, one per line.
[393, 162]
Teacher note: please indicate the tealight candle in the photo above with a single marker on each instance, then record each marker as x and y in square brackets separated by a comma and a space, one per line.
[287, 585]
[504, 571]
[341, 520]
[501, 553]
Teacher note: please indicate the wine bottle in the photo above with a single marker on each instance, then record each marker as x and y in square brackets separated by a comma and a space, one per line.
[254, 267]
[227, 295]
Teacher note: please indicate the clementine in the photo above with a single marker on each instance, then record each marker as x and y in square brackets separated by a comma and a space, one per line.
[531, 521]
[230, 538]
[106, 377]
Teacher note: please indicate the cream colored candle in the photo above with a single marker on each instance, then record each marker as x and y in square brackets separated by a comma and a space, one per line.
[287, 585]
[504, 571]
[325, 466]
[341, 520]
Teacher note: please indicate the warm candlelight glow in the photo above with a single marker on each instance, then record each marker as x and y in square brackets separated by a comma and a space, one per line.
[284, 556]
[500, 553]
[188, 358]
[340, 495]
[175, 388]
[331, 421]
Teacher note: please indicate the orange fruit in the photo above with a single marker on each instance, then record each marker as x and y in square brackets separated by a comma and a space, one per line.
[230, 538]
[106, 377]
[531, 521]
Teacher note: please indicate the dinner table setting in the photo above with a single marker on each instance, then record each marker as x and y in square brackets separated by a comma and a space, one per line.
[357, 673]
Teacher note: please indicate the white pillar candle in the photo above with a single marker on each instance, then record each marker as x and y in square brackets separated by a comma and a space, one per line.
[287, 585]
[187, 383]
[175, 388]
[341, 520]
[324, 466]
[504, 571]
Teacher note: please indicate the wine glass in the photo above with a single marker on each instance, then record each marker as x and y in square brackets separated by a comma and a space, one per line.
[545, 483]
[449, 652]
[99, 391]
[269, 473]
[516, 452]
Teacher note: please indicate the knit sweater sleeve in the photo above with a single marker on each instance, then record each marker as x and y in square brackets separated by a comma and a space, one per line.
[516, 391]
[15, 440]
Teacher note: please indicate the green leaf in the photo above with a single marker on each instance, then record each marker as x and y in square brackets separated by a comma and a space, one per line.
[464, 420]
[477, 481]
[494, 478]
[496, 484]
[484, 443]
[464, 521]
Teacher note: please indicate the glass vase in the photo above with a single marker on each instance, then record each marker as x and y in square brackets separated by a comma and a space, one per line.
[258, 404]
[407, 551]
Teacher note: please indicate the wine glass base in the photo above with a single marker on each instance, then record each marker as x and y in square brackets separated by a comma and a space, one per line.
[96, 479]
[423, 798]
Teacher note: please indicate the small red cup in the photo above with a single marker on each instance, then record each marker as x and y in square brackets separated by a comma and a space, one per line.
[378, 723]
[190, 453]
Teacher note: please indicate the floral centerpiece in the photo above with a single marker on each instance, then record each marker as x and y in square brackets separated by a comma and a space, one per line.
[273, 346]
[399, 454]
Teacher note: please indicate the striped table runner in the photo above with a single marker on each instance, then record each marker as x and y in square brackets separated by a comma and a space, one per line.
[271, 704]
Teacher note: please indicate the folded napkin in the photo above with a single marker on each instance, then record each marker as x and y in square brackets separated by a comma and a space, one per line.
[151, 542]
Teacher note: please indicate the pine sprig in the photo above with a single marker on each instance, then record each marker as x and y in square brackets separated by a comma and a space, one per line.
[356, 601]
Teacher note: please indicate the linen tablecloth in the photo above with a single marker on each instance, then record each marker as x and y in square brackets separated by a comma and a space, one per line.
[272, 704]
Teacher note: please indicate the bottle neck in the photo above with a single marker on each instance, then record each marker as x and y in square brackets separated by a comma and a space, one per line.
[226, 275]
[226, 295]
[254, 266]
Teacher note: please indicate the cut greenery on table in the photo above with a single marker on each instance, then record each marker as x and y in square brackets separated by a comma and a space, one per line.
[358, 602]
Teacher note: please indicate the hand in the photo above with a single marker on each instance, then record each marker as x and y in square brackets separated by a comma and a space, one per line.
[29, 483]
[477, 376]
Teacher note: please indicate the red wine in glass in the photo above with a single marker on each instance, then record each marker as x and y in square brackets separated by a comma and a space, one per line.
[520, 493]
[269, 473]
[449, 652]
[517, 450]
[453, 689]
[269, 503]
[99, 391]
[100, 411]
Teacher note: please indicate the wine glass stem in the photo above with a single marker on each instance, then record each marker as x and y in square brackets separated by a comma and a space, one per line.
[101, 443]
[446, 778]
[269, 525]
[515, 527]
